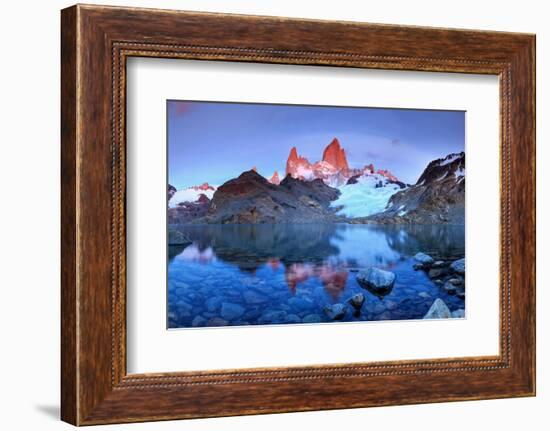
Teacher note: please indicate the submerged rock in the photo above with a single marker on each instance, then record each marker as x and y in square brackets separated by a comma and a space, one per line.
[456, 281]
[230, 311]
[273, 316]
[436, 272]
[376, 280]
[252, 297]
[199, 321]
[357, 300]
[217, 321]
[423, 258]
[293, 318]
[336, 311]
[458, 314]
[449, 288]
[438, 310]
[311, 318]
[459, 266]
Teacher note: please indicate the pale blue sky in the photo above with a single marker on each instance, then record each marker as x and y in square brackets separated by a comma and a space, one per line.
[214, 142]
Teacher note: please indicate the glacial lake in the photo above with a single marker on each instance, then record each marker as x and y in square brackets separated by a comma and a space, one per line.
[233, 275]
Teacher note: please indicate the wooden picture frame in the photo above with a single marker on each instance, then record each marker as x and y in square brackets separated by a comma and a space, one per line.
[95, 43]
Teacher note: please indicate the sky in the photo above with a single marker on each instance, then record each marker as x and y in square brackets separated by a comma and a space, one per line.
[215, 141]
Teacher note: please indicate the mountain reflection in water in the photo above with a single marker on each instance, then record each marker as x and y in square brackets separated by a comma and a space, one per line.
[261, 274]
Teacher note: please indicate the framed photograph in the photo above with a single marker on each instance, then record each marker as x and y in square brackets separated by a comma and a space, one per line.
[258, 208]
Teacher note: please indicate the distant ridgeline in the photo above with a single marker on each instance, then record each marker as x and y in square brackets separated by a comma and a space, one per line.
[327, 191]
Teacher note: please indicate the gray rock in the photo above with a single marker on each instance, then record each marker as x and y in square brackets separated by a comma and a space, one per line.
[458, 314]
[438, 264]
[456, 281]
[199, 321]
[336, 311]
[311, 318]
[459, 266]
[418, 266]
[357, 300]
[230, 311]
[438, 310]
[461, 292]
[423, 258]
[376, 279]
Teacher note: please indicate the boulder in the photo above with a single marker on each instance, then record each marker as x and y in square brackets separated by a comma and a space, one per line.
[376, 280]
[357, 300]
[459, 266]
[423, 258]
[230, 311]
[336, 311]
[438, 310]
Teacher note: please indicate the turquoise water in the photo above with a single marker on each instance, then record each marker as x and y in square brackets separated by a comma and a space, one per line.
[274, 274]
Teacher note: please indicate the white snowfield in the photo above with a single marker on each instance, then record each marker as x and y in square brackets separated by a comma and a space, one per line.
[189, 195]
[364, 198]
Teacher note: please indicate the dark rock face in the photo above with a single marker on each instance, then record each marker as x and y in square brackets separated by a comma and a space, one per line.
[171, 191]
[186, 212]
[436, 198]
[251, 198]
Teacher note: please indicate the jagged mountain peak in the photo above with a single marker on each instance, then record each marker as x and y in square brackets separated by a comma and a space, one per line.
[335, 155]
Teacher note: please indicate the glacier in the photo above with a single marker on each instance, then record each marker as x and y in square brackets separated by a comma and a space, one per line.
[369, 195]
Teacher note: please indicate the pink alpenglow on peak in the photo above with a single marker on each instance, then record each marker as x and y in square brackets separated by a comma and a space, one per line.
[275, 179]
[387, 174]
[336, 156]
[297, 166]
[203, 187]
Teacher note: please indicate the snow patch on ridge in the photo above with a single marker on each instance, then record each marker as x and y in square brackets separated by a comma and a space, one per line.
[189, 195]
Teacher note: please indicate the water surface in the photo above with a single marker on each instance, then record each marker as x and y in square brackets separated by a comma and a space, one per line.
[274, 274]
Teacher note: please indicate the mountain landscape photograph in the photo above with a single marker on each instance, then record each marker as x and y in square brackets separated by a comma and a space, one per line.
[299, 214]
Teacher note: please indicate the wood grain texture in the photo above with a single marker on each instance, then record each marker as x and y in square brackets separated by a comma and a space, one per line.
[96, 41]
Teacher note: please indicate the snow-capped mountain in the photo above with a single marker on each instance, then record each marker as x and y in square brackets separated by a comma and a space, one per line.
[333, 169]
[437, 197]
[190, 194]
